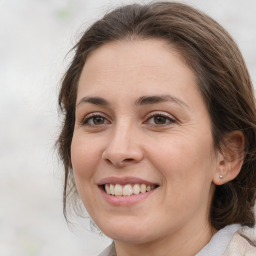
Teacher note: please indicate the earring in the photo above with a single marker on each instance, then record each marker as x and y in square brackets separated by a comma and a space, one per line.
[221, 177]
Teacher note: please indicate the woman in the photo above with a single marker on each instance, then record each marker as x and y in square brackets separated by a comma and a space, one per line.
[159, 133]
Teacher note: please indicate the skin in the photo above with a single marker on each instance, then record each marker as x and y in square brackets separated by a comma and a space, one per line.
[177, 153]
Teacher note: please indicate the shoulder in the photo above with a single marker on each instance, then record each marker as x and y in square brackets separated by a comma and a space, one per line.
[242, 243]
[109, 251]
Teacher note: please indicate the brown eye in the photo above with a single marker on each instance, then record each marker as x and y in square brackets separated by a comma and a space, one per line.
[98, 120]
[94, 120]
[160, 120]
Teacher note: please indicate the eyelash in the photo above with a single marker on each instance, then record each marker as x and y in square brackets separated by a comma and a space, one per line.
[85, 121]
[169, 119]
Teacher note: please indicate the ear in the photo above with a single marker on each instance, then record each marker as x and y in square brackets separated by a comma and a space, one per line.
[230, 159]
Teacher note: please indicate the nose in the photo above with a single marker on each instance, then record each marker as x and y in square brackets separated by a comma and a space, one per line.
[123, 147]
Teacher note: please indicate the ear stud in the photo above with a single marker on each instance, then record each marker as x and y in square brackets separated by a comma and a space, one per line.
[221, 177]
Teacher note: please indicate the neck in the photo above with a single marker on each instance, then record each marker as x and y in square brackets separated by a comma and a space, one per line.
[178, 244]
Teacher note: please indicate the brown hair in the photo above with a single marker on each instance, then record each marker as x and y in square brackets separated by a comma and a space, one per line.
[222, 78]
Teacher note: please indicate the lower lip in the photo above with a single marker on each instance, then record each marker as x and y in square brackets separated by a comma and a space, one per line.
[126, 200]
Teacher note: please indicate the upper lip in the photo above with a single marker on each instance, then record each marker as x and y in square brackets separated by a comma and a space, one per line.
[124, 180]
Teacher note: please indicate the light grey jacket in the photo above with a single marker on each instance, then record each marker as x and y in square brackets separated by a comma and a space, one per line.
[242, 243]
[232, 240]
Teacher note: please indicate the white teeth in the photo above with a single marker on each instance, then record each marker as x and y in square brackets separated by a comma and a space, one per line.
[118, 190]
[136, 189]
[143, 188]
[107, 188]
[112, 191]
[128, 189]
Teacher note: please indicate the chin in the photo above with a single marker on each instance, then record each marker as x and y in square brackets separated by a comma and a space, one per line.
[130, 237]
[128, 233]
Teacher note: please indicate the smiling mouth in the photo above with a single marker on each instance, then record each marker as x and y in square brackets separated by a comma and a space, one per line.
[127, 189]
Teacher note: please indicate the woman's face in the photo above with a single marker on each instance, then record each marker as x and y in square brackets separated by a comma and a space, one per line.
[141, 124]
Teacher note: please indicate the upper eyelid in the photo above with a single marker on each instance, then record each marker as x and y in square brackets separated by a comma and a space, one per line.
[160, 113]
[153, 113]
[96, 113]
[93, 114]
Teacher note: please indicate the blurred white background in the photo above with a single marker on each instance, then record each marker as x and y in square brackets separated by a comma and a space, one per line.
[35, 36]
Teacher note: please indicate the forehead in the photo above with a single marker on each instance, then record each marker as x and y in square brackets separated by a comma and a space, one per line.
[129, 53]
[138, 67]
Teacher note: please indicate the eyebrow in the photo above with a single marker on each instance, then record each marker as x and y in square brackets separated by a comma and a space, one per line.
[155, 99]
[94, 100]
[144, 100]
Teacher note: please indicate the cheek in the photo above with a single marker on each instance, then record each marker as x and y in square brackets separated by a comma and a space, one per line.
[186, 171]
[184, 163]
[84, 157]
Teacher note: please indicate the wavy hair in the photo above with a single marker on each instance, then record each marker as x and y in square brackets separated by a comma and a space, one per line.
[222, 78]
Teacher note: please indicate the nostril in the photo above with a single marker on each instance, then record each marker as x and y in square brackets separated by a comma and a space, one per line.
[128, 160]
[120, 163]
[108, 161]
